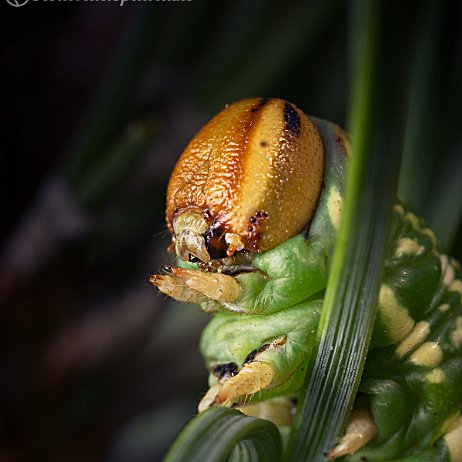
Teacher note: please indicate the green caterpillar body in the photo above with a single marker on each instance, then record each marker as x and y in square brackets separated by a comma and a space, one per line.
[413, 373]
[259, 342]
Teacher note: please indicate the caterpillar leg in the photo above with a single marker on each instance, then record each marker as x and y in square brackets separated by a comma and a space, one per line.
[251, 362]
[176, 288]
[196, 286]
[251, 379]
[359, 431]
[453, 439]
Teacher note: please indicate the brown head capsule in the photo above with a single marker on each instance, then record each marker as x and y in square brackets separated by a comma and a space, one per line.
[249, 180]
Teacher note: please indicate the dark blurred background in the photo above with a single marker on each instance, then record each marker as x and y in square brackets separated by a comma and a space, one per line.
[98, 101]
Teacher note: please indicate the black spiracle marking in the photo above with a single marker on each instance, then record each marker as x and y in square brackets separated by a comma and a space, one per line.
[291, 119]
[252, 355]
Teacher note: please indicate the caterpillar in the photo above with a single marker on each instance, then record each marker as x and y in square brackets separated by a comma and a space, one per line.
[253, 206]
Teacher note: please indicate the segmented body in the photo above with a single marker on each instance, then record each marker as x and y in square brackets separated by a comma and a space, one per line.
[266, 310]
[413, 372]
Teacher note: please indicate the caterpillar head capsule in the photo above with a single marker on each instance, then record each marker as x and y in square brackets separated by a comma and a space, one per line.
[249, 180]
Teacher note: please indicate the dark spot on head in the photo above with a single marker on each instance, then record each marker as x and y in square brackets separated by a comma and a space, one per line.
[263, 143]
[260, 105]
[224, 371]
[250, 229]
[291, 119]
[253, 220]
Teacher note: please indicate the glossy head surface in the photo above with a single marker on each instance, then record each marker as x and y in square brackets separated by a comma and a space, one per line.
[249, 180]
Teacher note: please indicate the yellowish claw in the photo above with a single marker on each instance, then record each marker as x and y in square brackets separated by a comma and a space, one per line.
[215, 286]
[176, 288]
[251, 379]
[359, 431]
[209, 399]
[193, 286]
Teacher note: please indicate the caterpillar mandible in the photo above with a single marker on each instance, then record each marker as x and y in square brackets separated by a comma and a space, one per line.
[253, 205]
